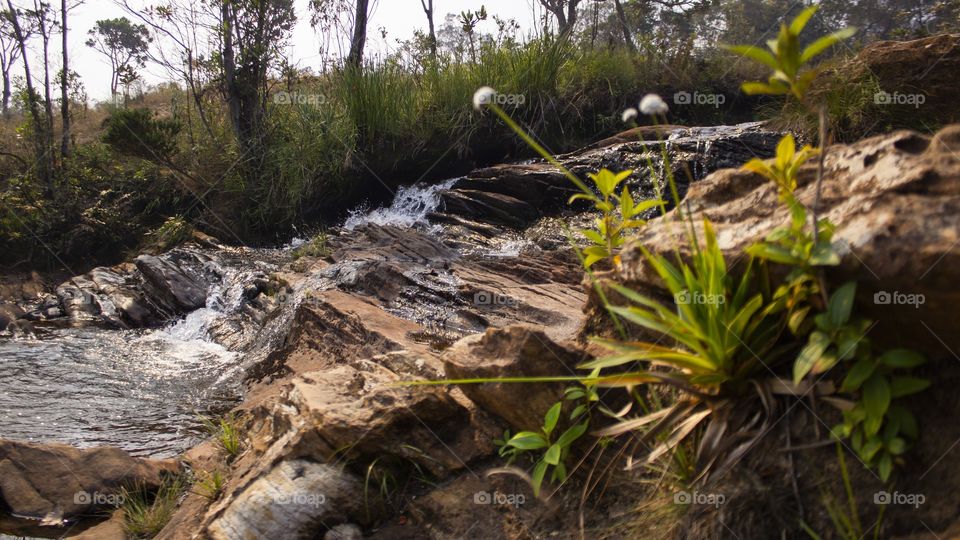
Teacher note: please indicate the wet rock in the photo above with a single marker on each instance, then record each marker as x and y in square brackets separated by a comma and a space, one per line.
[8, 314]
[294, 500]
[895, 200]
[173, 284]
[55, 479]
[516, 195]
[514, 351]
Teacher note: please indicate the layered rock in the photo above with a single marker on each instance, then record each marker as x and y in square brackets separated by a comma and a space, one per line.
[895, 201]
[56, 481]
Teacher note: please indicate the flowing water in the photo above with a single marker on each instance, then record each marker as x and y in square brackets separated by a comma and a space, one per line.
[146, 391]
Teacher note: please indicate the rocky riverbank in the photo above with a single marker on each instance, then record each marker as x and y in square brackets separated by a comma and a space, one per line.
[475, 279]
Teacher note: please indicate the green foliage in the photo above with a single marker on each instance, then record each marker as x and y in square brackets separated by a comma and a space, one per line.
[138, 133]
[174, 231]
[618, 215]
[145, 513]
[787, 58]
[555, 450]
[318, 246]
[226, 433]
[783, 169]
[210, 484]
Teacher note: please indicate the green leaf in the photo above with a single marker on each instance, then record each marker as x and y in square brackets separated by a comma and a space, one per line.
[755, 53]
[759, 88]
[810, 354]
[572, 434]
[902, 358]
[897, 446]
[905, 386]
[550, 420]
[528, 440]
[801, 20]
[906, 420]
[552, 455]
[824, 255]
[869, 450]
[841, 303]
[825, 43]
[876, 396]
[860, 372]
[885, 467]
[537, 478]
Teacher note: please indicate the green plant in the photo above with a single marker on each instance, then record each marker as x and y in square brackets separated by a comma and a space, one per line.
[145, 513]
[174, 231]
[618, 215]
[137, 132]
[787, 59]
[226, 432]
[846, 521]
[318, 246]
[210, 484]
[555, 451]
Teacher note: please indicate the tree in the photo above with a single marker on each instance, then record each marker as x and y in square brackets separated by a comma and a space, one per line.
[124, 43]
[40, 139]
[622, 16]
[565, 11]
[432, 36]
[64, 83]
[9, 54]
[355, 58]
[252, 34]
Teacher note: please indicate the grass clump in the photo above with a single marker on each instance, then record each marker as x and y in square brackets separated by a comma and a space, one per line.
[210, 484]
[145, 514]
[318, 247]
[226, 433]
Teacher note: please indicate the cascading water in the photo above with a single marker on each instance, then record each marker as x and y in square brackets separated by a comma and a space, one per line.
[142, 390]
[410, 207]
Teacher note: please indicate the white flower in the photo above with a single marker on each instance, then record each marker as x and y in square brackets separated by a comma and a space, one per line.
[483, 96]
[629, 115]
[652, 104]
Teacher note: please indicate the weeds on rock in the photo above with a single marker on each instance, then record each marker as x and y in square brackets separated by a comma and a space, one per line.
[210, 484]
[145, 514]
[226, 433]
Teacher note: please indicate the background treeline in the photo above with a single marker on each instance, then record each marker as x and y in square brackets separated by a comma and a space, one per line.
[245, 142]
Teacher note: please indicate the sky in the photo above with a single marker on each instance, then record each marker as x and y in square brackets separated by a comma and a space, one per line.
[399, 18]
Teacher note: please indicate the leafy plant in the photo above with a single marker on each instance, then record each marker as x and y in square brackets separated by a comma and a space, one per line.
[555, 450]
[783, 169]
[618, 214]
[787, 59]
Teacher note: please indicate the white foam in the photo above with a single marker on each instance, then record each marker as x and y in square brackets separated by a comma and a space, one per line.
[409, 208]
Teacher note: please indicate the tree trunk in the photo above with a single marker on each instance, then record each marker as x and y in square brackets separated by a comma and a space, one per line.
[64, 86]
[6, 92]
[355, 58]
[428, 9]
[43, 168]
[627, 38]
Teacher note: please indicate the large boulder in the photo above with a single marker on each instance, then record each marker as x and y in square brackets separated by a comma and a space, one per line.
[293, 500]
[59, 480]
[177, 287]
[514, 351]
[895, 200]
